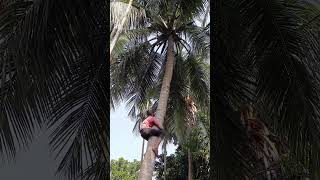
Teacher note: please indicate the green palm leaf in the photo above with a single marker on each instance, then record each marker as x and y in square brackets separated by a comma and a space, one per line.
[52, 52]
[134, 75]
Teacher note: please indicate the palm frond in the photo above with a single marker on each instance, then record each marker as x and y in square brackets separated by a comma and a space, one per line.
[231, 145]
[198, 39]
[140, 34]
[134, 75]
[282, 61]
[191, 8]
[232, 85]
[17, 118]
[78, 125]
[288, 95]
[97, 171]
[135, 17]
[118, 48]
[199, 79]
[53, 47]
[177, 110]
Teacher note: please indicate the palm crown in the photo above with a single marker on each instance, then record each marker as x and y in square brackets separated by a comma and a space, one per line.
[140, 67]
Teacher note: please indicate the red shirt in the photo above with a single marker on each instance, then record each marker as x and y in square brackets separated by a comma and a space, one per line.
[149, 122]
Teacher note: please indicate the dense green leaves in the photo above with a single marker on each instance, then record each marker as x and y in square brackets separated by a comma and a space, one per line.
[177, 163]
[122, 169]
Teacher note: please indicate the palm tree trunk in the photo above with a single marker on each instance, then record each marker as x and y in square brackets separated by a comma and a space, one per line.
[119, 29]
[147, 166]
[190, 169]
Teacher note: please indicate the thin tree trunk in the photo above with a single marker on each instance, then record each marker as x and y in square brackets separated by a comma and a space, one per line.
[142, 150]
[190, 169]
[119, 29]
[149, 158]
[165, 160]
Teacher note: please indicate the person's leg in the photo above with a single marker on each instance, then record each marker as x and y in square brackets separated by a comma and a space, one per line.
[145, 133]
[148, 132]
[156, 146]
[156, 132]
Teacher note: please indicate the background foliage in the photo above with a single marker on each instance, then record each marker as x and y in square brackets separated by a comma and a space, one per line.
[122, 169]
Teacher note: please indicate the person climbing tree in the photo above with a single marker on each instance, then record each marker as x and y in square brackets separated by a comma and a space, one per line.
[147, 130]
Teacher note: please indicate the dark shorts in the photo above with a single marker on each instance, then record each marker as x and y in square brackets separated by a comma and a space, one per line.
[146, 133]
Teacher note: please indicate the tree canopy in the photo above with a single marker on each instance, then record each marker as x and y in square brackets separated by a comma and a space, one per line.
[122, 169]
[177, 163]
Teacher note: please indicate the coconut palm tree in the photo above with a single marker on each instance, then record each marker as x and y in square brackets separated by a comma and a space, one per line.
[190, 76]
[53, 75]
[171, 27]
[262, 56]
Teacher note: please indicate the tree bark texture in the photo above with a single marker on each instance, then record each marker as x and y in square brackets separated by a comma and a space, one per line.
[147, 167]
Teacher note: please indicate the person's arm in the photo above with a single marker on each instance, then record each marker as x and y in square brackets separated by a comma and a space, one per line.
[157, 123]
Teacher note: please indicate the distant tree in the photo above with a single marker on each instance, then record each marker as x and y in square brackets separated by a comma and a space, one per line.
[176, 166]
[122, 169]
[177, 163]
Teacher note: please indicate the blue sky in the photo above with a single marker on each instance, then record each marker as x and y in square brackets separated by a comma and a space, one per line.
[123, 143]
